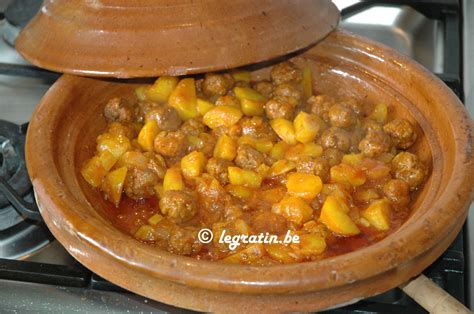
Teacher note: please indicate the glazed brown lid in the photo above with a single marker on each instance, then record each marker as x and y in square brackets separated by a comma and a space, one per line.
[146, 38]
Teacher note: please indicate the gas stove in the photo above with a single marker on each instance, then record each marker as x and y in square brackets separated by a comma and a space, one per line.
[37, 273]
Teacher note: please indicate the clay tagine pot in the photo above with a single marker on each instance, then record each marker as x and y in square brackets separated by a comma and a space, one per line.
[62, 134]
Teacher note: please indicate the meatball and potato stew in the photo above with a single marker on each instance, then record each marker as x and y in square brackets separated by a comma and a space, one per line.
[245, 157]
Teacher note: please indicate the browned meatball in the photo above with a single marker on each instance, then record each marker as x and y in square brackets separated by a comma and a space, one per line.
[265, 88]
[257, 127]
[217, 84]
[402, 133]
[279, 108]
[180, 206]
[124, 129]
[318, 166]
[193, 127]
[320, 105]
[369, 125]
[267, 221]
[166, 117]
[333, 156]
[118, 109]
[170, 144]
[218, 169]
[352, 103]
[409, 168]
[342, 116]
[248, 157]
[206, 144]
[336, 138]
[184, 241]
[290, 91]
[285, 72]
[139, 183]
[228, 100]
[397, 191]
[375, 143]
[156, 163]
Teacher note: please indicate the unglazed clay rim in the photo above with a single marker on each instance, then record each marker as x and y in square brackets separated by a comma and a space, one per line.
[450, 207]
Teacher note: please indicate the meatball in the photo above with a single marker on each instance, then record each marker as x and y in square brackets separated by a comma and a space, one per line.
[269, 222]
[215, 85]
[333, 156]
[320, 105]
[397, 192]
[118, 109]
[289, 91]
[123, 129]
[285, 72]
[228, 100]
[375, 143]
[184, 241]
[409, 168]
[139, 183]
[206, 144]
[248, 157]
[257, 127]
[265, 88]
[401, 132]
[369, 125]
[342, 116]
[318, 166]
[180, 206]
[217, 168]
[166, 117]
[170, 144]
[193, 127]
[279, 108]
[336, 138]
[352, 103]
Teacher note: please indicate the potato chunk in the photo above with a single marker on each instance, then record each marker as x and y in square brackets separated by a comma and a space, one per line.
[252, 107]
[173, 179]
[184, 100]
[193, 164]
[311, 244]
[249, 178]
[304, 185]
[380, 113]
[248, 93]
[334, 215]
[222, 116]
[147, 135]
[294, 209]
[226, 148]
[307, 127]
[307, 82]
[161, 90]
[344, 173]
[203, 106]
[284, 129]
[113, 184]
[378, 214]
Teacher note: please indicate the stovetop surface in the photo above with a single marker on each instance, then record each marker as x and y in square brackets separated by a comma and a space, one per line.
[419, 31]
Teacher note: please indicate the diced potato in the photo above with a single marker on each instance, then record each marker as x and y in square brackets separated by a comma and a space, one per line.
[140, 92]
[278, 150]
[147, 135]
[340, 190]
[203, 106]
[378, 170]
[222, 116]
[366, 195]
[159, 190]
[304, 185]
[263, 145]
[312, 244]
[226, 148]
[133, 159]
[263, 170]
[380, 113]
[294, 209]
[344, 173]
[195, 141]
[284, 129]
[352, 159]
[183, 99]
[281, 253]
[252, 107]
[156, 218]
[113, 184]
[115, 144]
[378, 214]
[334, 214]
[243, 76]
[280, 167]
[93, 171]
[241, 226]
[249, 178]
[145, 233]
[248, 93]
[307, 127]
[239, 191]
[307, 82]
[107, 159]
[173, 179]
[249, 255]
[193, 164]
[272, 196]
[161, 90]
[299, 150]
